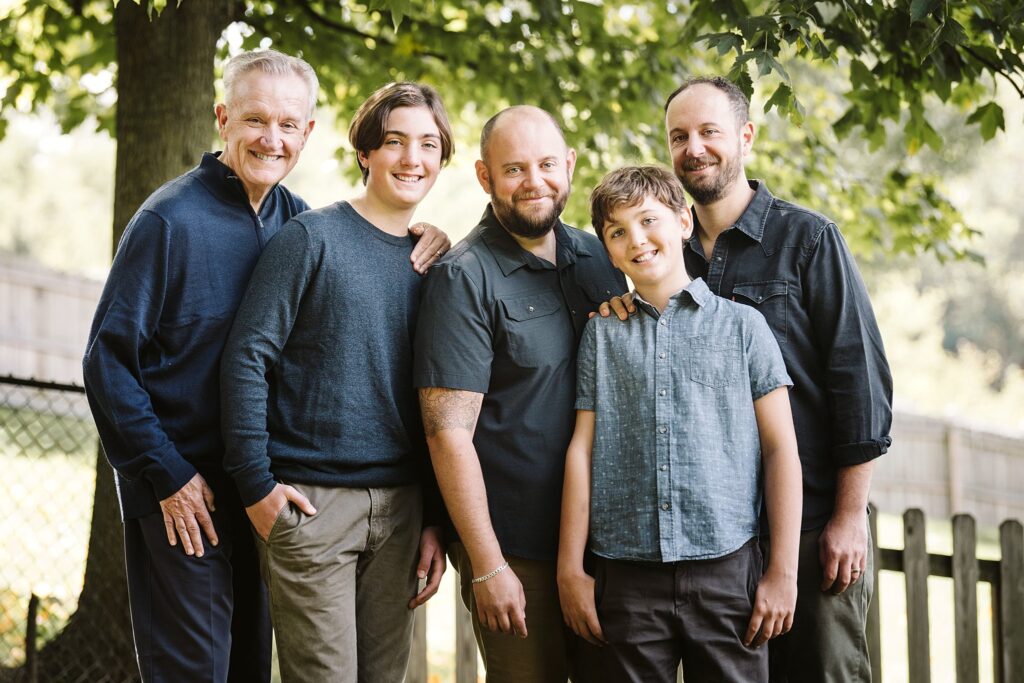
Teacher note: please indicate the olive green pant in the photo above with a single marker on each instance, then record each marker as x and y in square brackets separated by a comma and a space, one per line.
[340, 584]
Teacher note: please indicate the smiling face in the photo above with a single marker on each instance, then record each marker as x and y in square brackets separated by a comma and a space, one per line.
[527, 171]
[707, 143]
[264, 128]
[403, 169]
[645, 242]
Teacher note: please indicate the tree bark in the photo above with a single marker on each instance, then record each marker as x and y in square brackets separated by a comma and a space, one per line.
[164, 123]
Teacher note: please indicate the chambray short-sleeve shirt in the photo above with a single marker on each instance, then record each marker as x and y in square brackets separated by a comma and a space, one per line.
[676, 463]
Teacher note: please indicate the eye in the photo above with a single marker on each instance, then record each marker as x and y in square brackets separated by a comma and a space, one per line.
[512, 170]
[392, 142]
[616, 232]
[288, 125]
[678, 138]
[430, 145]
[548, 165]
[254, 120]
[648, 220]
[710, 131]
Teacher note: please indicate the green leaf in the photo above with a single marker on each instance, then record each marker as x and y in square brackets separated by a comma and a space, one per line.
[919, 9]
[860, 75]
[990, 118]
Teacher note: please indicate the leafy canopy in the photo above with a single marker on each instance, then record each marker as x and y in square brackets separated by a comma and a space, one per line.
[849, 89]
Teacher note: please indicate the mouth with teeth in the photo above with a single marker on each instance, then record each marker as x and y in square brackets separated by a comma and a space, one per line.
[405, 178]
[265, 157]
[645, 257]
[698, 165]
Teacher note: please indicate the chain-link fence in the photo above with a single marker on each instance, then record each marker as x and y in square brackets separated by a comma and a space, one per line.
[63, 603]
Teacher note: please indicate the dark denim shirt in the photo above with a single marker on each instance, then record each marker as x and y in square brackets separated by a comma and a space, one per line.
[676, 461]
[793, 266]
[497, 320]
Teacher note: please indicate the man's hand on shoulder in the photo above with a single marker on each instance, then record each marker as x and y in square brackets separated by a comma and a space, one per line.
[501, 603]
[187, 516]
[431, 566]
[265, 511]
[621, 306]
[432, 243]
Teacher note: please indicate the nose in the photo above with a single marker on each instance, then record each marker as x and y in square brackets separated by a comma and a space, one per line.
[271, 136]
[694, 146]
[410, 155]
[531, 178]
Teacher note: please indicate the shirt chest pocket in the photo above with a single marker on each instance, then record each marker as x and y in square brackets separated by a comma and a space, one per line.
[770, 299]
[715, 362]
[534, 330]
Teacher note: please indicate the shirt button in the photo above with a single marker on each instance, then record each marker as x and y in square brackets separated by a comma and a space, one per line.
[663, 322]
[662, 392]
[661, 355]
[663, 468]
[662, 429]
[718, 258]
[666, 506]
[530, 309]
[574, 311]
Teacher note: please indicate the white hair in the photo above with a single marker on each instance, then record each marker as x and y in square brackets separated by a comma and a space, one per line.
[270, 62]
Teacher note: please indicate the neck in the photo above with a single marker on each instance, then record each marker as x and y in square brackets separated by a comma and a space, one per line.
[545, 247]
[719, 216]
[657, 294]
[256, 196]
[386, 218]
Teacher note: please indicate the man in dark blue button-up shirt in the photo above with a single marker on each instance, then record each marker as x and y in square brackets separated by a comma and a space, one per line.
[793, 266]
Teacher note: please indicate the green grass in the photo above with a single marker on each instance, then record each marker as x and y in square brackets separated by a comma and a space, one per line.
[46, 507]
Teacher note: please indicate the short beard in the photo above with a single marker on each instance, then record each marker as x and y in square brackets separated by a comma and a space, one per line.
[525, 226]
[710, 193]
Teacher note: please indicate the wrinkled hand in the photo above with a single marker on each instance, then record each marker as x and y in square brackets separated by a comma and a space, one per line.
[622, 306]
[843, 551]
[774, 603]
[187, 516]
[431, 245]
[501, 603]
[576, 595]
[264, 512]
[432, 564]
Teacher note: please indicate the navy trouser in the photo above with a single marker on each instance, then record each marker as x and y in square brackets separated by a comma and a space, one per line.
[198, 619]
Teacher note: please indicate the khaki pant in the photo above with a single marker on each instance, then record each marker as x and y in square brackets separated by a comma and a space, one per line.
[828, 643]
[340, 583]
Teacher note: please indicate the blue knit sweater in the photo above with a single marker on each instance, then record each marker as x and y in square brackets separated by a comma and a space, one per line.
[316, 376]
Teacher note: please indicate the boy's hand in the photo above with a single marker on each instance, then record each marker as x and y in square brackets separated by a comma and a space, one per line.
[622, 306]
[576, 593]
[501, 603]
[774, 603]
[431, 566]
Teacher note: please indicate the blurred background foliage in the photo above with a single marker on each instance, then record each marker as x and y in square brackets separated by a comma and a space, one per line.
[902, 120]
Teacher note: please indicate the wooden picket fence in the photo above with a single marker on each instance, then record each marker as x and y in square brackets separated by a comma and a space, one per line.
[1005, 576]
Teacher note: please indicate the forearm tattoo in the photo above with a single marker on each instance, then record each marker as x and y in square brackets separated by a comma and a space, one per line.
[448, 409]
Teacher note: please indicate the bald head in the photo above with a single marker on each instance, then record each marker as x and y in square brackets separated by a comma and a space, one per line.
[520, 119]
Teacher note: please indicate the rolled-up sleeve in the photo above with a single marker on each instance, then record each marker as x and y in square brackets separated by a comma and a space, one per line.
[857, 376]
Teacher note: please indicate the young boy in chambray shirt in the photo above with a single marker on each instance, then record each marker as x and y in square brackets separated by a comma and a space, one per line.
[682, 411]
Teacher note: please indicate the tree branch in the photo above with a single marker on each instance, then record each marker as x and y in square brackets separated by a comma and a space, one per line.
[995, 68]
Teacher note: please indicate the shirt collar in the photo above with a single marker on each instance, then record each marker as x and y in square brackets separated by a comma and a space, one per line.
[511, 257]
[751, 222]
[221, 180]
[697, 292]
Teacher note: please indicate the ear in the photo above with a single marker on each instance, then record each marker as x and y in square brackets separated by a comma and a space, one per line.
[309, 129]
[482, 176]
[686, 221]
[570, 162]
[364, 158]
[747, 137]
[220, 110]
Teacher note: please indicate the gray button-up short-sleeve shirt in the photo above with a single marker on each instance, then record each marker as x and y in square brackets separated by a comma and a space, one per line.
[676, 462]
[497, 320]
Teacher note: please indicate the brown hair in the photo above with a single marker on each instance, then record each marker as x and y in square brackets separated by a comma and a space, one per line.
[370, 122]
[629, 186]
[738, 102]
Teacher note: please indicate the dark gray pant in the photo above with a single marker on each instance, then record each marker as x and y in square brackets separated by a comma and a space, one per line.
[656, 615]
[828, 643]
[198, 619]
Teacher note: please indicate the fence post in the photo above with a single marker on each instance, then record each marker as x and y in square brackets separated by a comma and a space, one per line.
[954, 465]
[418, 656]
[31, 638]
[965, 598]
[465, 645]
[874, 626]
[915, 568]
[1011, 599]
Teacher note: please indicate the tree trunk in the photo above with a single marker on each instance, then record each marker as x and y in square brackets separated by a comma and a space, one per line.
[164, 124]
